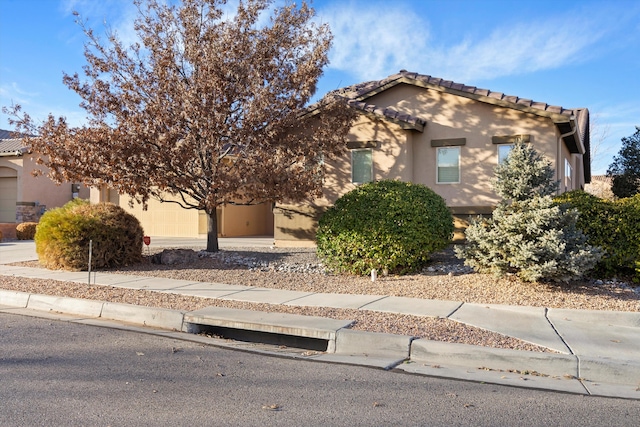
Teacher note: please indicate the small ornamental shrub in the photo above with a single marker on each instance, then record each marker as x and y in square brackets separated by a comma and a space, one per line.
[389, 226]
[63, 235]
[26, 230]
[612, 225]
[528, 234]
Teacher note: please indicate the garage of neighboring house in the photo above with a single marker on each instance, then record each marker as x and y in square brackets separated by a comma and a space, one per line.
[8, 194]
[11, 151]
[24, 197]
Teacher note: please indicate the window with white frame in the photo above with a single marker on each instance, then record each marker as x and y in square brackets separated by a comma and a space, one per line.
[503, 152]
[448, 165]
[361, 165]
[567, 174]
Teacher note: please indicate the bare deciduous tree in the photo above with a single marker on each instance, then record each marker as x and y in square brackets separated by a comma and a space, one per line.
[207, 107]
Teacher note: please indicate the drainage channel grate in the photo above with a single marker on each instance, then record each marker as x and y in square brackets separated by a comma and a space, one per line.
[292, 341]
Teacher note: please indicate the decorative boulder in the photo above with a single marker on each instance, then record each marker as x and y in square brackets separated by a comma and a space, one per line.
[175, 256]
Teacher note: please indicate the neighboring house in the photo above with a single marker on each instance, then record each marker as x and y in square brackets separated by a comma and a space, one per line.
[23, 197]
[600, 186]
[445, 135]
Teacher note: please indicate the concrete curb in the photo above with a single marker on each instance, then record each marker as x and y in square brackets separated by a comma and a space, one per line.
[560, 372]
[146, 316]
[75, 306]
[381, 350]
[14, 298]
[616, 371]
[475, 357]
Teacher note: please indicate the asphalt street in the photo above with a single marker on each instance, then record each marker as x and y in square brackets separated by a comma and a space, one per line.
[61, 373]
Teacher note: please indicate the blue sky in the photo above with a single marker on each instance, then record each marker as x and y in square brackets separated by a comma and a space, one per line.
[568, 53]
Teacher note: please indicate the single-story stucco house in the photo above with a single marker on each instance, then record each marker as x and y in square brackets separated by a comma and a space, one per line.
[23, 197]
[445, 135]
[409, 127]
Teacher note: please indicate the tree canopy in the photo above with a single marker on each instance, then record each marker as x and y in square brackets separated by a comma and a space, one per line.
[625, 169]
[207, 106]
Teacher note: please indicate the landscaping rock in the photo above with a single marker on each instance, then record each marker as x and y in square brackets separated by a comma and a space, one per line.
[175, 256]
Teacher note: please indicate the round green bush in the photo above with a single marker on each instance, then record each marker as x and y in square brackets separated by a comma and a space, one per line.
[612, 225]
[389, 226]
[63, 235]
[26, 230]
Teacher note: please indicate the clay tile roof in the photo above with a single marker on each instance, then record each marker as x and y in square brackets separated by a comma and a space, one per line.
[423, 78]
[407, 121]
[361, 91]
[11, 144]
[374, 87]
[539, 105]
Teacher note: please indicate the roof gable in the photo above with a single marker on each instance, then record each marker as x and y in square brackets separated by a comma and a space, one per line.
[363, 91]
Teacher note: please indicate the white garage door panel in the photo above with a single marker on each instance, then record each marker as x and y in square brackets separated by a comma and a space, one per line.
[8, 199]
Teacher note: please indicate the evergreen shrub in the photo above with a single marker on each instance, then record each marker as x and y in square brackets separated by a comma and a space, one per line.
[63, 235]
[26, 230]
[390, 226]
[528, 234]
[612, 225]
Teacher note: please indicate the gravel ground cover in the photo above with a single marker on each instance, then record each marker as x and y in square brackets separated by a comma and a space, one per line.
[445, 278]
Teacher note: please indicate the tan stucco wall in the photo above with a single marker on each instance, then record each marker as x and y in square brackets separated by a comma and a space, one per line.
[38, 190]
[247, 220]
[163, 219]
[171, 220]
[43, 190]
[450, 116]
[408, 155]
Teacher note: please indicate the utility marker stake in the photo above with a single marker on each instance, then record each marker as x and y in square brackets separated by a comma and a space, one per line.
[90, 250]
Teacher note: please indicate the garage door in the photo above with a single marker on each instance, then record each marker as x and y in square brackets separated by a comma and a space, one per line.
[8, 198]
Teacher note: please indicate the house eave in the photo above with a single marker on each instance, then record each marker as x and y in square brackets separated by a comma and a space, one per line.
[17, 153]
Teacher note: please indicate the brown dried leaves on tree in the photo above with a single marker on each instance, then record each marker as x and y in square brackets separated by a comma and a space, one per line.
[205, 106]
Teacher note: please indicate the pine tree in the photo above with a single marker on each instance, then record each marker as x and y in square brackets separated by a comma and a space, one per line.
[528, 234]
[625, 169]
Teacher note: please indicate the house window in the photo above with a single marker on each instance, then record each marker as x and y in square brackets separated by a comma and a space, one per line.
[567, 174]
[503, 152]
[361, 166]
[448, 165]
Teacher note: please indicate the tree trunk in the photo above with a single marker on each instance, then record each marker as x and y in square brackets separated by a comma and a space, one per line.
[212, 231]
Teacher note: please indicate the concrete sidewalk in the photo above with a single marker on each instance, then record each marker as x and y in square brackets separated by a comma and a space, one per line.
[596, 352]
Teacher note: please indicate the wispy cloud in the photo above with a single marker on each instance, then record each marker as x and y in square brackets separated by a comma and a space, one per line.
[115, 15]
[11, 93]
[372, 42]
[527, 48]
